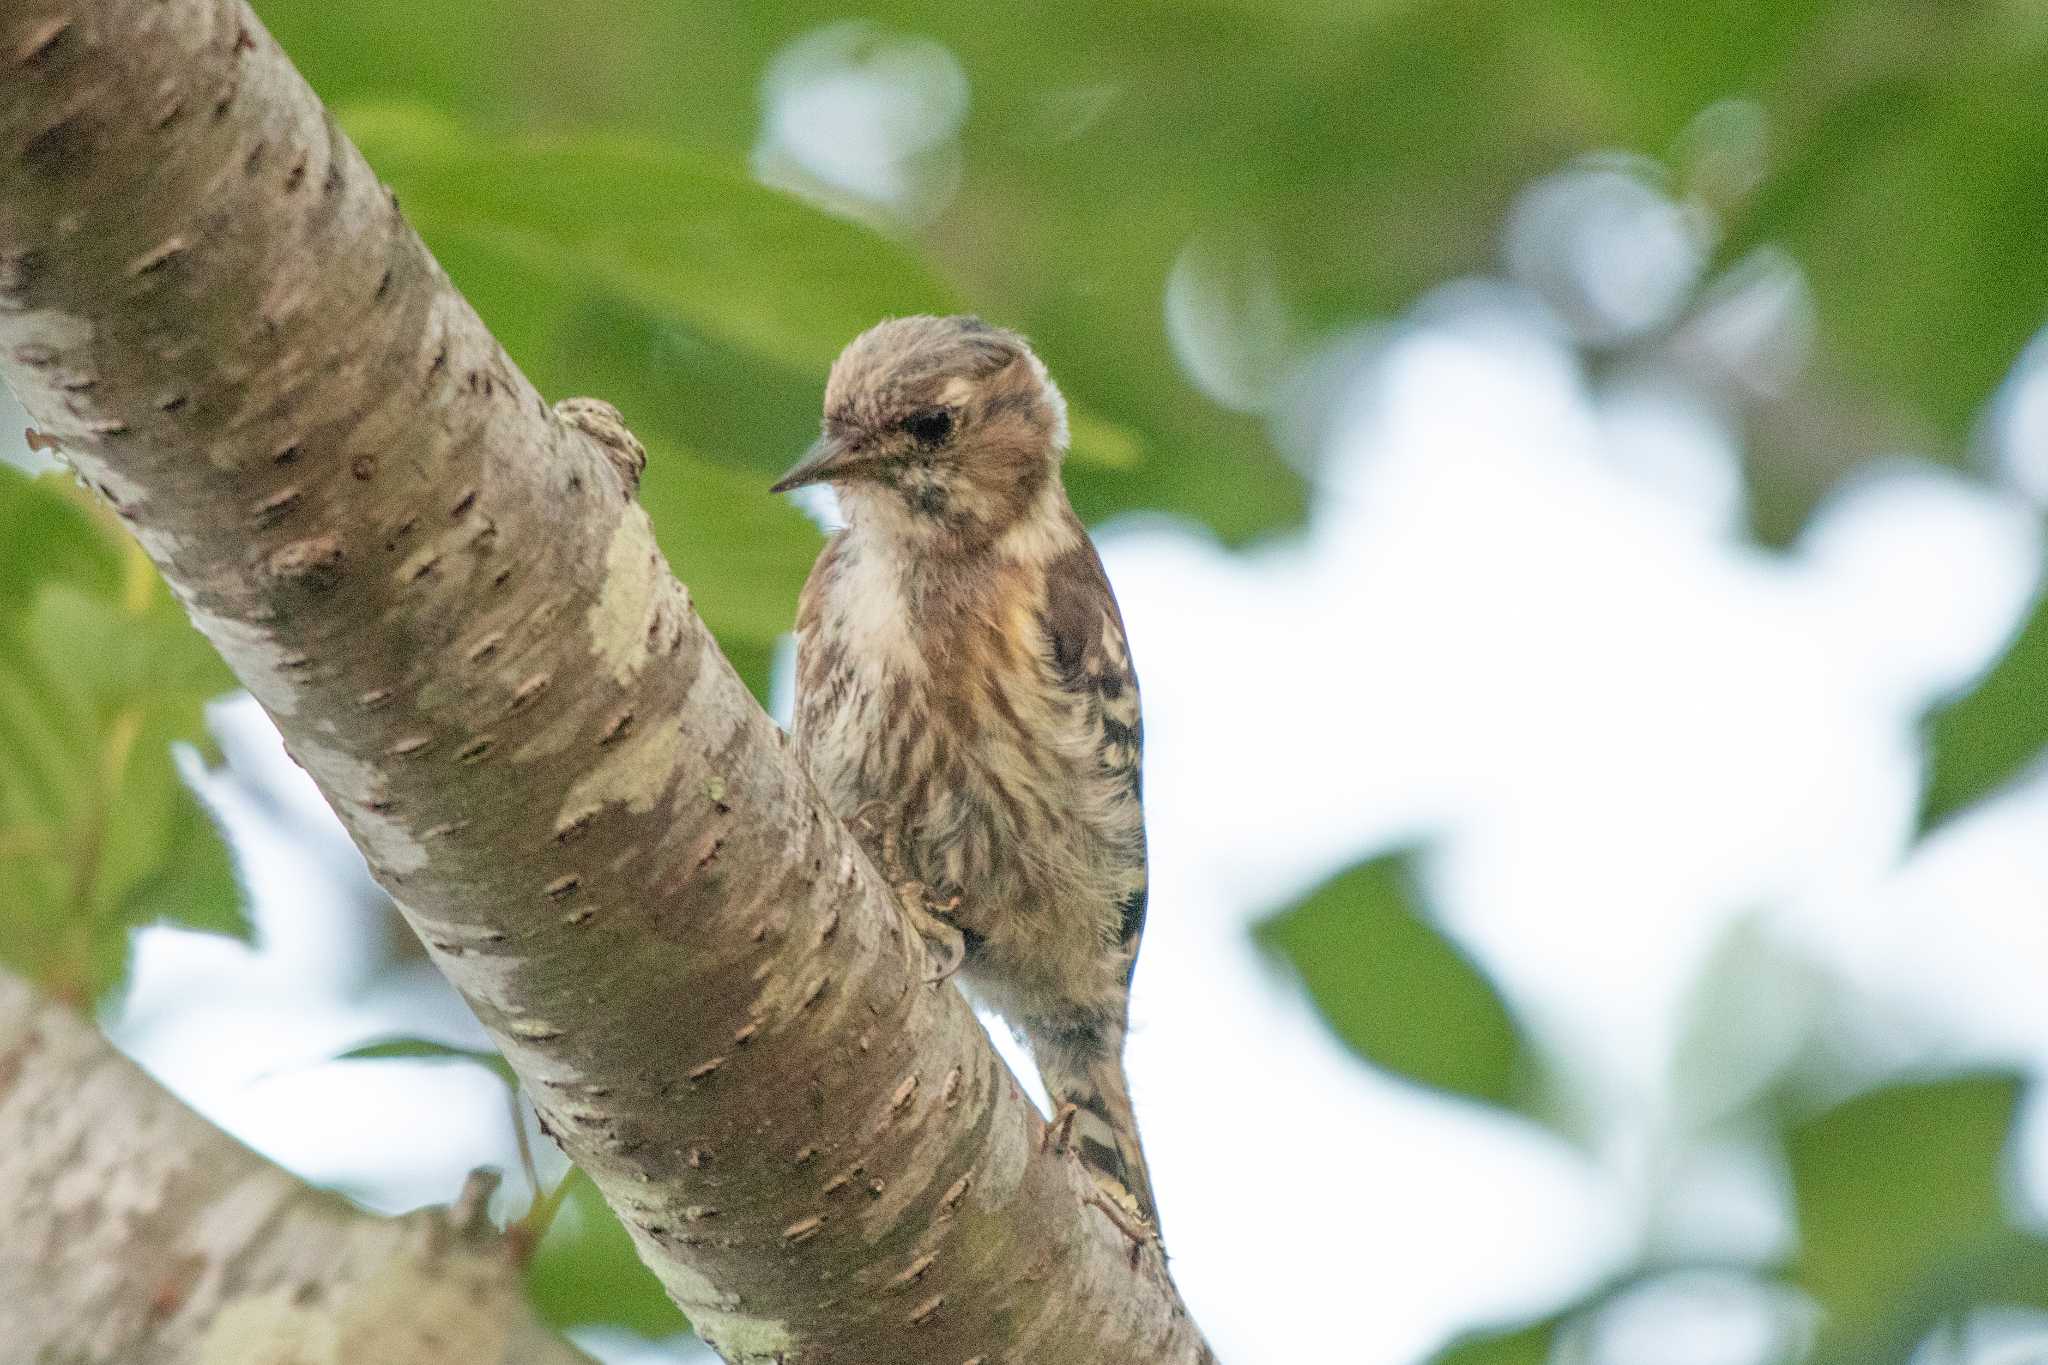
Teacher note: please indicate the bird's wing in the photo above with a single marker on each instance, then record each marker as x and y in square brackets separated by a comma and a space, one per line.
[1092, 660]
[820, 655]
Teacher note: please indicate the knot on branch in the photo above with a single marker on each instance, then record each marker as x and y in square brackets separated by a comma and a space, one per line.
[601, 422]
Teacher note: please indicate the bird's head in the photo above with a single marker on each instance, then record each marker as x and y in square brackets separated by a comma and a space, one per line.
[942, 431]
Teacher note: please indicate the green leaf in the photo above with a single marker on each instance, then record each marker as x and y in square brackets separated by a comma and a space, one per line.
[49, 758]
[1909, 197]
[1984, 739]
[586, 1270]
[101, 676]
[193, 885]
[48, 533]
[162, 859]
[2003, 1269]
[130, 827]
[108, 659]
[427, 1049]
[690, 237]
[1396, 990]
[1895, 1181]
[1529, 1345]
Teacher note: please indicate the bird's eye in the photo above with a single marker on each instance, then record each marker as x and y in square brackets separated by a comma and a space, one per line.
[930, 427]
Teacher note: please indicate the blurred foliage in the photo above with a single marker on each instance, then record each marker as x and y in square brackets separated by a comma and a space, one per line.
[1994, 732]
[586, 1270]
[1903, 1229]
[428, 1050]
[1866, 1234]
[1396, 990]
[1764, 1036]
[1908, 185]
[100, 675]
[1898, 1191]
[2003, 1270]
[1529, 1345]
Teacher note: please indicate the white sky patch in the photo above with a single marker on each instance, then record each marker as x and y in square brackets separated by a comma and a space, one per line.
[619, 1347]
[864, 121]
[1606, 247]
[1699, 1318]
[1662, 433]
[1227, 320]
[2020, 424]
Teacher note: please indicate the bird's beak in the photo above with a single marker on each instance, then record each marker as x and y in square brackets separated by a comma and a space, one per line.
[825, 458]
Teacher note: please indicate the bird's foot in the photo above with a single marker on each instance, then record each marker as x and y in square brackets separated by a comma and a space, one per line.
[1118, 1204]
[1059, 1134]
[875, 825]
[944, 939]
[1121, 1208]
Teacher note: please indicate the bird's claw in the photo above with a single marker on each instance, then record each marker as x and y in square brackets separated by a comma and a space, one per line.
[874, 825]
[948, 945]
[1059, 1134]
[1120, 1208]
[1118, 1204]
[952, 957]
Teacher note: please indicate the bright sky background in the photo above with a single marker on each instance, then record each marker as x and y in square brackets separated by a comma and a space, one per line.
[1521, 626]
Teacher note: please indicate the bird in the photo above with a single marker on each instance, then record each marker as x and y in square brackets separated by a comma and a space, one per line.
[966, 702]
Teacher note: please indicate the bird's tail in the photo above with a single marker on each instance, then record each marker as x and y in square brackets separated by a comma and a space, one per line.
[1105, 1133]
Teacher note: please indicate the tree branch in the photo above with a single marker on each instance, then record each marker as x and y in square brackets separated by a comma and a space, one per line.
[139, 1233]
[444, 593]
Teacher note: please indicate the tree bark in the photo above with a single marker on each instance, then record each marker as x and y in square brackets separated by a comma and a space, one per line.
[139, 1234]
[444, 593]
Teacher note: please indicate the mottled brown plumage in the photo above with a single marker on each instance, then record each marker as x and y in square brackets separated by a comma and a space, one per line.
[963, 685]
